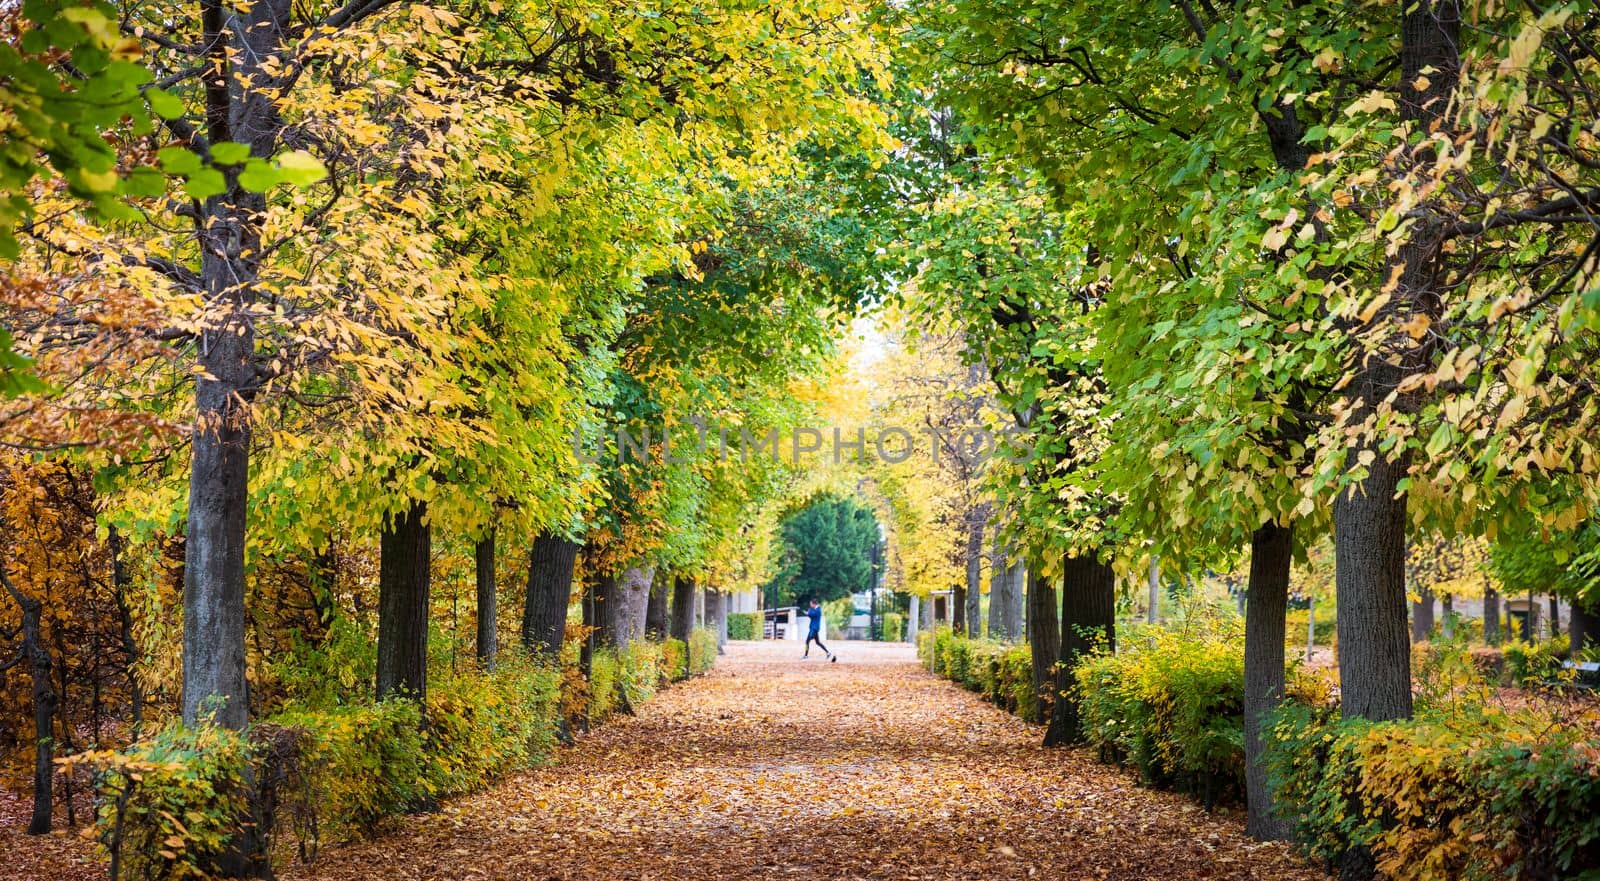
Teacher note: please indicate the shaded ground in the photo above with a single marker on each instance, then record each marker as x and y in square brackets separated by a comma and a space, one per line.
[770, 767]
[61, 856]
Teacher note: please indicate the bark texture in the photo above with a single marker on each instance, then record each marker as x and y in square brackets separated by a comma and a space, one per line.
[488, 606]
[404, 581]
[655, 613]
[1369, 525]
[682, 612]
[974, 597]
[623, 599]
[717, 609]
[1422, 616]
[544, 611]
[1005, 596]
[1271, 553]
[1491, 615]
[1044, 639]
[958, 610]
[1088, 621]
[214, 537]
[37, 654]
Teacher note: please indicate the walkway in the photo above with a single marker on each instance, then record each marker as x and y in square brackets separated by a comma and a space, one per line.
[770, 767]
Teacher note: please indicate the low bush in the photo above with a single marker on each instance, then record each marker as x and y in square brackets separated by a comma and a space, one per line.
[702, 652]
[337, 772]
[892, 627]
[605, 686]
[1171, 707]
[1002, 672]
[1474, 793]
[1534, 663]
[481, 726]
[744, 625]
[930, 648]
[1466, 791]
[674, 659]
[172, 804]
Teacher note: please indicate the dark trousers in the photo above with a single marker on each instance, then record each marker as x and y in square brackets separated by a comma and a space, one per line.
[814, 637]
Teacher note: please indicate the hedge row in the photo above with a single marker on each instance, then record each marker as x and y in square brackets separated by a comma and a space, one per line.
[173, 803]
[999, 671]
[744, 625]
[1475, 793]
[1171, 708]
[1466, 790]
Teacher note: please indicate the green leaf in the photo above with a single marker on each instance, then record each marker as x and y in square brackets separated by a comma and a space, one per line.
[229, 153]
[259, 176]
[301, 168]
[178, 160]
[205, 183]
[164, 104]
[146, 182]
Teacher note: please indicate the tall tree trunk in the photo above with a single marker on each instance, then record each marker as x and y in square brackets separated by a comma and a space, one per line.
[44, 706]
[214, 684]
[607, 617]
[1422, 616]
[1267, 602]
[1005, 596]
[958, 610]
[1370, 520]
[1491, 615]
[130, 645]
[682, 612]
[717, 611]
[544, 611]
[1555, 617]
[655, 614]
[1044, 640]
[974, 616]
[1153, 613]
[592, 598]
[624, 610]
[1088, 622]
[404, 580]
[1369, 524]
[1585, 626]
[488, 608]
[1311, 625]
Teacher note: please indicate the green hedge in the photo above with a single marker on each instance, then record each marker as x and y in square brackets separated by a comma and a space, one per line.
[1465, 793]
[1466, 790]
[1001, 672]
[744, 625]
[1173, 709]
[702, 651]
[172, 803]
[892, 627]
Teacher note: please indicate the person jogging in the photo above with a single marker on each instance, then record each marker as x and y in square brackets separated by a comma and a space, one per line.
[815, 634]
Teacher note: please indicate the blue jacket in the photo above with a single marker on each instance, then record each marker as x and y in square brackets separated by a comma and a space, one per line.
[816, 619]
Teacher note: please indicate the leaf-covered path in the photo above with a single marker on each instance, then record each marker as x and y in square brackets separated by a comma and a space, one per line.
[770, 767]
